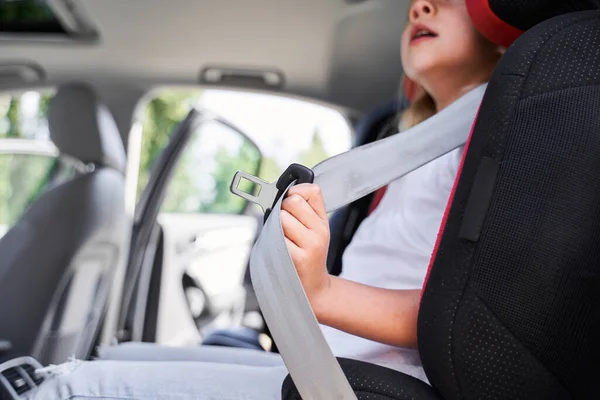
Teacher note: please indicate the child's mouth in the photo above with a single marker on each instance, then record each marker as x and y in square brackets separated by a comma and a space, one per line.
[420, 33]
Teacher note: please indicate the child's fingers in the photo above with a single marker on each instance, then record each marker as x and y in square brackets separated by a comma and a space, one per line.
[313, 195]
[293, 229]
[299, 208]
[293, 249]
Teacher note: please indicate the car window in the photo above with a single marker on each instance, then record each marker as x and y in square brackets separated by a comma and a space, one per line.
[286, 131]
[23, 115]
[27, 159]
[202, 177]
[22, 179]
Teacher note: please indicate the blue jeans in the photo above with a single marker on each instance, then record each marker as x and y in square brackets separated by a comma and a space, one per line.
[223, 373]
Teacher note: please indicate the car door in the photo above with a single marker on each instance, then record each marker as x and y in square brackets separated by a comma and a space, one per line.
[191, 237]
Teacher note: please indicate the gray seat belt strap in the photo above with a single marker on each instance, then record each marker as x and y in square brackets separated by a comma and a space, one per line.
[352, 175]
[343, 179]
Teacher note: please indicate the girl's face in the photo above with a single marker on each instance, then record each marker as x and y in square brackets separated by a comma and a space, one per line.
[440, 39]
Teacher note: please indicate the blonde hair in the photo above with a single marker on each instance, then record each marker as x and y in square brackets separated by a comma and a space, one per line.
[421, 107]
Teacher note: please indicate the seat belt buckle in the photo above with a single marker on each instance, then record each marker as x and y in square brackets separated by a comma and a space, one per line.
[268, 194]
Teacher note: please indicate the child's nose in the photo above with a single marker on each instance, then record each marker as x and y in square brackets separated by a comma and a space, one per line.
[420, 8]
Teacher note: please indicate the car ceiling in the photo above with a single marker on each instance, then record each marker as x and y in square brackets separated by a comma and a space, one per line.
[341, 52]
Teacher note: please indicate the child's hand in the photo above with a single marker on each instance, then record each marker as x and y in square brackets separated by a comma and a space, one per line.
[306, 229]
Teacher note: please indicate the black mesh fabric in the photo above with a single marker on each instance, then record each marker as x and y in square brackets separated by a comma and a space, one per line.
[524, 14]
[542, 279]
[493, 361]
[372, 382]
[516, 314]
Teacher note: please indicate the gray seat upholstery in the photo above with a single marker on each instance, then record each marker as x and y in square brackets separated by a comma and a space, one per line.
[57, 262]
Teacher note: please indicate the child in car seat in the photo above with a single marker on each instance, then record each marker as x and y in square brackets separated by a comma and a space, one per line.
[370, 311]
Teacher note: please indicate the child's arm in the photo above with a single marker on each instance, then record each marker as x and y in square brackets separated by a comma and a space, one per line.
[383, 315]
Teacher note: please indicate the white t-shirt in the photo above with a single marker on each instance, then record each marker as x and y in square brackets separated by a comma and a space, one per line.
[391, 249]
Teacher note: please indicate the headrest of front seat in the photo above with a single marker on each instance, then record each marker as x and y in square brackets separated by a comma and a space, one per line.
[82, 127]
[503, 21]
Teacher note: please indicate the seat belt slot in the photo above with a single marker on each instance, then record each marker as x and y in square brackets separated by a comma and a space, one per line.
[270, 193]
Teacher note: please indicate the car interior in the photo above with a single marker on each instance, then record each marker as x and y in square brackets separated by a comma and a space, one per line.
[86, 268]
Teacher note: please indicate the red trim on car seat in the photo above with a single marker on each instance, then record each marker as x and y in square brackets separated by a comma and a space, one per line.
[377, 198]
[448, 206]
[490, 25]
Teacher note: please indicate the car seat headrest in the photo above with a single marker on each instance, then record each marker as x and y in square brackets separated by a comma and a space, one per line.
[82, 127]
[503, 21]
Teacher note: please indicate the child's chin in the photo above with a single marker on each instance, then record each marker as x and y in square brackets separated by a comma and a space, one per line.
[422, 67]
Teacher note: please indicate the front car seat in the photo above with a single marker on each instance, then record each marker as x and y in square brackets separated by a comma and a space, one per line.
[56, 263]
[511, 306]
